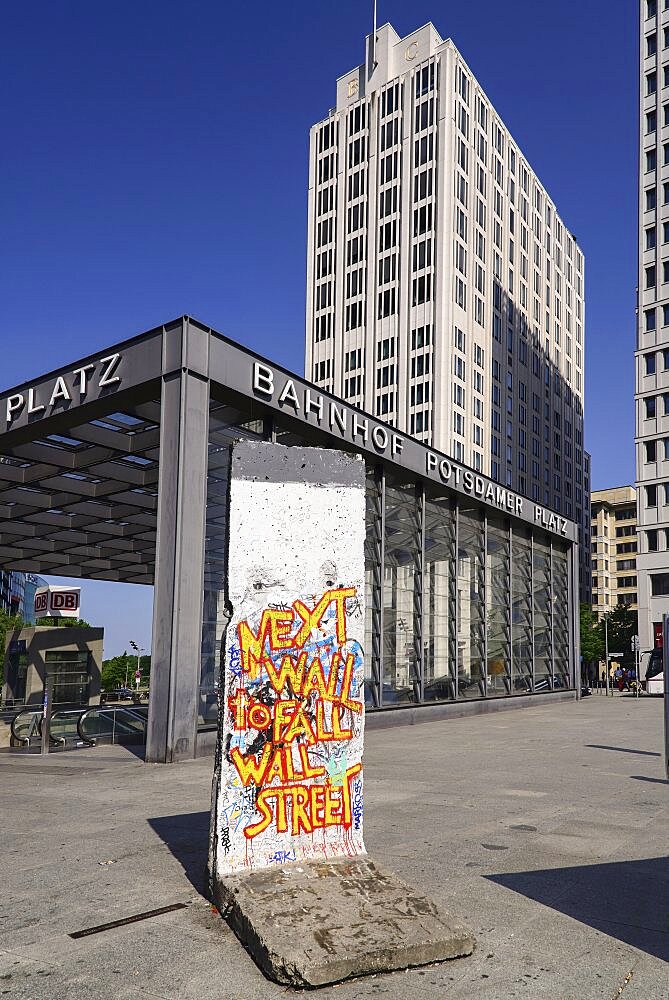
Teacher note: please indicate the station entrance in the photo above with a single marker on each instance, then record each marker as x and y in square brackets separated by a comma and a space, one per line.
[116, 468]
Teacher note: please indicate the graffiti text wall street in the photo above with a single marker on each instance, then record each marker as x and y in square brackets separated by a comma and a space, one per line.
[290, 785]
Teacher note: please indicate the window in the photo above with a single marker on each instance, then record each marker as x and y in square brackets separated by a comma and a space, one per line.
[651, 44]
[651, 496]
[649, 315]
[649, 360]
[650, 238]
[659, 584]
[651, 199]
[650, 276]
[353, 359]
[651, 122]
[650, 402]
[651, 538]
[651, 451]
[651, 83]
[385, 349]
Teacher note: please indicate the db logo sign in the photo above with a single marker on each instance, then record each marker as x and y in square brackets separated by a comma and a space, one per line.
[42, 602]
[57, 603]
[65, 601]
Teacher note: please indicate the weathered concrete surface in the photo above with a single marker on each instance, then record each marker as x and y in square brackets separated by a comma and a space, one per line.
[288, 769]
[545, 829]
[320, 922]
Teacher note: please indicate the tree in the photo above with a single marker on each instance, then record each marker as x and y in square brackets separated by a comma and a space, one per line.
[118, 668]
[7, 624]
[592, 635]
[623, 624]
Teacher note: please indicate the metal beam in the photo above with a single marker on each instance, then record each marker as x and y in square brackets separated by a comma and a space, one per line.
[178, 595]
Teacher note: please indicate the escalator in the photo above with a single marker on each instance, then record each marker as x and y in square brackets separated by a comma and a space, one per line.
[82, 726]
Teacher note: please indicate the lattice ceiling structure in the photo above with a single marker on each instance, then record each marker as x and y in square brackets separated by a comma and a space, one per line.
[83, 502]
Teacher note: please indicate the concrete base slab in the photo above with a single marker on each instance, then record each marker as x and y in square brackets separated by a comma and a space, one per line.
[318, 922]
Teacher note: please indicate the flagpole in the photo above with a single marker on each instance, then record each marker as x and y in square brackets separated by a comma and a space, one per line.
[373, 40]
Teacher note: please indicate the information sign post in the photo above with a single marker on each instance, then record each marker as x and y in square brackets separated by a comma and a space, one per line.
[47, 706]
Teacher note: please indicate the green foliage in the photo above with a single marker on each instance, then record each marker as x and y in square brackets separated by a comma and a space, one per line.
[62, 623]
[622, 625]
[7, 624]
[115, 671]
[592, 635]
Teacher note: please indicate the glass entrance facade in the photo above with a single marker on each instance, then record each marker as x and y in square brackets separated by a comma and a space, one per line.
[462, 603]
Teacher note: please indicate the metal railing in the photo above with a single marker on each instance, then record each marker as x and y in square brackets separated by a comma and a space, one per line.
[86, 725]
[102, 724]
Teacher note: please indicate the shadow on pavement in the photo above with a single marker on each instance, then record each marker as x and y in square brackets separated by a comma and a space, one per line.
[187, 837]
[643, 753]
[655, 781]
[628, 900]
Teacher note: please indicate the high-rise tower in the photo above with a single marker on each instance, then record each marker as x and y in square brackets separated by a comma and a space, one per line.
[444, 292]
[652, 342]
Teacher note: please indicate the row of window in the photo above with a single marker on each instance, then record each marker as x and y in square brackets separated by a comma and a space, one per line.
[657, 449]
[651, 42]
[652, 405]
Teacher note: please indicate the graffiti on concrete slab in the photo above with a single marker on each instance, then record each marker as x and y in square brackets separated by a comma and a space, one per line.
[288, 781]
[294, 705]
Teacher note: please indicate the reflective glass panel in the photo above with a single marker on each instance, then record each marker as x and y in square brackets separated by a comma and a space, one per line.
[542, 616]
[497, 590]
[471, 604]
[521, 612]
[401, 576]
[372, 589]
[560, 620]
[439, 597]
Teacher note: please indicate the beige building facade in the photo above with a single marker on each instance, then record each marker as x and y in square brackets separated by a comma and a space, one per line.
[72, 656]
[614, 548]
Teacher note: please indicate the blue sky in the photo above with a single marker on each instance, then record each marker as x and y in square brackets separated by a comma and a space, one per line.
[155, 163]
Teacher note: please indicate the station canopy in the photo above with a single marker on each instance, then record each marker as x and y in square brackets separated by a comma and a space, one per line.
[81, 447]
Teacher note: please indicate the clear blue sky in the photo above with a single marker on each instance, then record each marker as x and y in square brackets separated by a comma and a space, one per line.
[155, 163]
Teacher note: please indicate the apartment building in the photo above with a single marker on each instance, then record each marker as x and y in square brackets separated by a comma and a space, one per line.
[445, 294]
[614, 548]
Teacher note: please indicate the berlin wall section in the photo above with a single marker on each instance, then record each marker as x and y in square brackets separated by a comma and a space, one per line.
[288, 772]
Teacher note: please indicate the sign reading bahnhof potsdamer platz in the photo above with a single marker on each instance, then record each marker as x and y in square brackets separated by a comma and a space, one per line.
[117, 468]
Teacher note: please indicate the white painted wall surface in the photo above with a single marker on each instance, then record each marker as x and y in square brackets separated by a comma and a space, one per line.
[288, 781]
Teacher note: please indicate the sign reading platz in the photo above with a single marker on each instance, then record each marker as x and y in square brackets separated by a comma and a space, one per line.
[57, 602]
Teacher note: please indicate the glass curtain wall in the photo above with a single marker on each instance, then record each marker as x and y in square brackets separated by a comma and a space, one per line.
[373, 564]
[471, 603]
[402, 643]
[561, 644]
[543, 619]
[464, 605]
[439, 601]
[521, 611]
[458, 605]
[498, 611]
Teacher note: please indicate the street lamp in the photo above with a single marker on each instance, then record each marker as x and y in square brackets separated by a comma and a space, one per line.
[138, 650]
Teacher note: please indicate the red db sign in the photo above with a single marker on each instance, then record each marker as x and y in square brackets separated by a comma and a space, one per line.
[57, 602]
